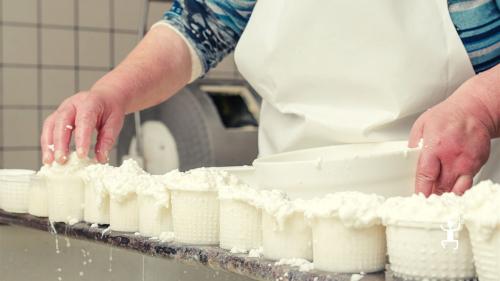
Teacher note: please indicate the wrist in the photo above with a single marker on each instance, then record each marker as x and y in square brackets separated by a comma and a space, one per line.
[486, 90]
[473, 101]
[111, 96]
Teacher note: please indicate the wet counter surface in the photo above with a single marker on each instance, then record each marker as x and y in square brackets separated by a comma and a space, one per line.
[211, 257]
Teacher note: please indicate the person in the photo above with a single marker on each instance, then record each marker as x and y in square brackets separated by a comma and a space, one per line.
[330, 72]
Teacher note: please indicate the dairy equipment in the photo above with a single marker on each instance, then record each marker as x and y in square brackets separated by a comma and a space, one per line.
[208, 123]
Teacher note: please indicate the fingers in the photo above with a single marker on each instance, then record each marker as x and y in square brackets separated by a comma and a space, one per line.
[46, 140]
[63, 126]
[107, 136]
[462, 184]
[428, 170]
[447, 178]
[416, 133]
[86, 121]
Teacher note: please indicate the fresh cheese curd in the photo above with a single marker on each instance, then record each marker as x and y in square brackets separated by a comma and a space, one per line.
[240, 218]
[195, 206]
[482, 218]
[65, 188]
[122, 185]
[155, 216]
[96, 208]
[426, 238]
[352, 218]
[285, 232]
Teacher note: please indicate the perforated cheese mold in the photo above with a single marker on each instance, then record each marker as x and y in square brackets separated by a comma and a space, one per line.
[293, 240]
[153, 218]
[338, 248]
[240, 225]
[419, 253]
[195, 217]
[96, 208]
[124, 215]
[65, 198]
[38, 197]
[486, 252]
[14, 190]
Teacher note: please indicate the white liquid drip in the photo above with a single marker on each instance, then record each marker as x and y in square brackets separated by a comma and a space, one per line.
[105, 231]
[110, 269]
[53, 229]
[84, 254]
[68, 243]
[57, 245]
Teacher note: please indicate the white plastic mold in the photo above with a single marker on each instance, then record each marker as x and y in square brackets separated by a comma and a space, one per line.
[245, 173]
[14, 190]
[486, 251]
[96, 208]
[418, 252]
[338, 248]
[195, 216]
[124, 215]
[38, 197]
[65, 198]
[318, 171]
[292, 240]
[153, 218]
[240, 225]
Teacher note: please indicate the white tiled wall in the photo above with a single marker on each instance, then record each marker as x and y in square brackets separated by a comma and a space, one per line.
[51, 49]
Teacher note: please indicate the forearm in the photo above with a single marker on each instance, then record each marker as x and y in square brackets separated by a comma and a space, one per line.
[155, 70]
[488, 92]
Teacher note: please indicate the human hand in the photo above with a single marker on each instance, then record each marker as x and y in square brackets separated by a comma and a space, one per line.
[80, 115]
[456, 140]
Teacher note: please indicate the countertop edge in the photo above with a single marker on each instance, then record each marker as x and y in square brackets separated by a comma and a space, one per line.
[211, 256]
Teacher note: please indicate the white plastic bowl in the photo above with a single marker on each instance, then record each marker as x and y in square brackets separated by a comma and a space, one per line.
[416, 253]
[124, 215]
[293, 240]
[486, 251]
[195, 216]
[38, 197]
[245, 173]
[65, 198]
[14, 190]
[153, 219]
[240, 225]
[96, 208]
[386, 169]
[338, 248]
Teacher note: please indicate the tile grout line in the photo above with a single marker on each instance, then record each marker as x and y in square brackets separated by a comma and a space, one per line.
[66, 27]
[26, 107]
[39, 74]
[20, 148]
[112, 34]
[52, 66]
[77, 47]
[2, 87]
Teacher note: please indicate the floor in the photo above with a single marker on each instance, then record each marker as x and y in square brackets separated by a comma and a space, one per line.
[27, 254]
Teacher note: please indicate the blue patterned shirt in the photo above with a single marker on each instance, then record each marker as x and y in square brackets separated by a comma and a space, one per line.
[213, 27]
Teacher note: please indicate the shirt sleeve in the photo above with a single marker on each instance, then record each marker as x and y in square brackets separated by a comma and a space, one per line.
[211, 28]
[478, 25]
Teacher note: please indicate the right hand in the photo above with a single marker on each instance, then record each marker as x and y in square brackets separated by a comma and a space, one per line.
[81, 114]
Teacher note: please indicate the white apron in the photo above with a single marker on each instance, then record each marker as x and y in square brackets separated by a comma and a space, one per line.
[334, 72]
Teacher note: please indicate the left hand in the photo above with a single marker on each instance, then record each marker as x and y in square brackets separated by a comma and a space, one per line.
[456, 140]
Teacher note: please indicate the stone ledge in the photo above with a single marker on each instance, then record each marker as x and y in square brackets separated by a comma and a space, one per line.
[213, 257]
